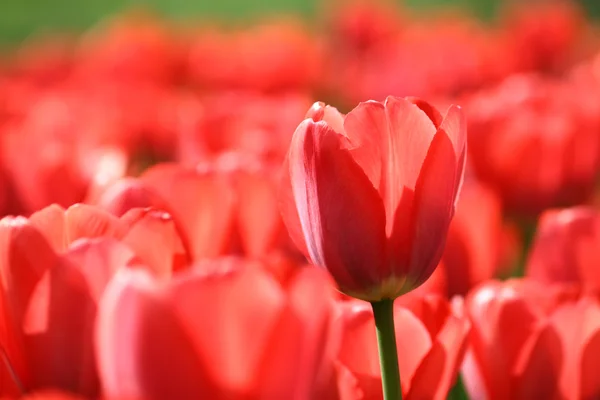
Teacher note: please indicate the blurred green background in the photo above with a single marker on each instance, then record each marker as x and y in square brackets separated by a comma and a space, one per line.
[21, 18]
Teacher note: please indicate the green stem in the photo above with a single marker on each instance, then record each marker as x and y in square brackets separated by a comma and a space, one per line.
[388, 353]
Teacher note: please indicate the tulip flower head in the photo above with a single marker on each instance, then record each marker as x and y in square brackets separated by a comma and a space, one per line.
[369, 196]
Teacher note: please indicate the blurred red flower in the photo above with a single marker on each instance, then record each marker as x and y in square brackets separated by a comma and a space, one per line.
[275, 56]
[431, 335]
[480, 244]
[258, 340]
[53, 271]
[224, 207]
[545, 34]
[531, 340]
[536, 141]
[566, 248]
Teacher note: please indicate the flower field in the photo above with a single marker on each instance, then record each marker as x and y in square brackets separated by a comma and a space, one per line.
[375, 204]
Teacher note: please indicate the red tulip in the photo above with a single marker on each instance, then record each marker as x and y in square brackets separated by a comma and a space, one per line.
[43, 60]
[122, 195]
[431, 336]
[229, 206]
[532, 341]
[130, 48]
[223, 330]
[258, 124]
[48, 306]
[536, 142]
[150, 233]
[374, 53]
[360, 25]
[544, 34]
[270, 57]
[66, 164]
[480, 245]
[370, 196]
[566, 248]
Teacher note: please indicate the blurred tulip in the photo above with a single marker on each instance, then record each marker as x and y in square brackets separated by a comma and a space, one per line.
[370, 196]
[360, 25]
[269, 57]
[68, 158]
[566, 248]
[48, 306]
[150, 233]
[221, 207]
[544, 33]
[431, 336]
[531, 341]
[131, 48]
[480, 246]
[122, 195]
[43, 60]
[381, 55]
[536, 141]
[257, 341]
[257, 124]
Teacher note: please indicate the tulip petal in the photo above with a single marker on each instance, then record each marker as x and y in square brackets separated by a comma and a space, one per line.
[390, 143]
[312, 299]
[132, 320]
[259, 221]
[319, 111]
[85, 221]
[21, 270]
[202, 205]
[434, 115]
[221, 359]
[590, 365]
[63, 227]
[366, 127]
[288, 210]
[502, 321]
[455, 126]
[414, 343]
[447, 351]
[51, 221]
[433, 208]
[565, 247]
[577, 324]
[358, 348]
[58, 323]
[351, 387]
[340, 212]
[537, 373]
[152, 235]
[431, 369]
[128, 193]
[247, 311]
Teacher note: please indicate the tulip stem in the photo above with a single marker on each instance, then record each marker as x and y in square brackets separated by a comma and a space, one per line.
[388, 352]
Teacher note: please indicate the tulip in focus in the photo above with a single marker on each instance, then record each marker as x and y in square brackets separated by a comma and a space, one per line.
[369, 196]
